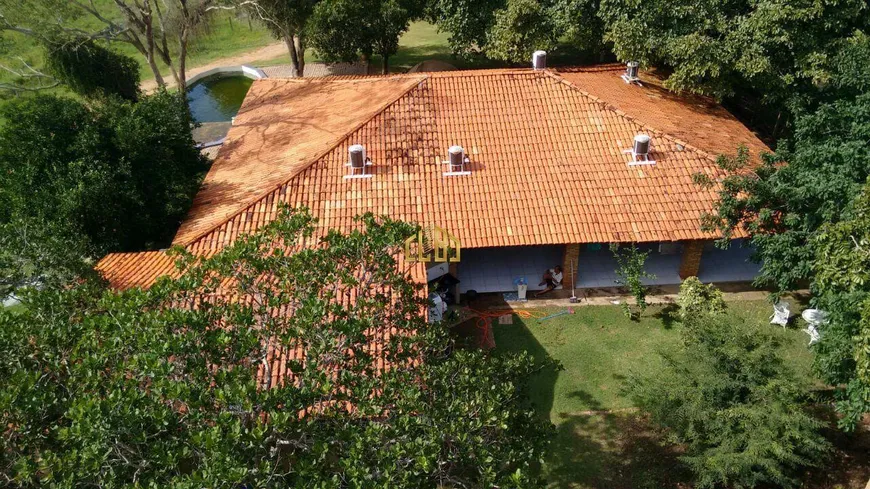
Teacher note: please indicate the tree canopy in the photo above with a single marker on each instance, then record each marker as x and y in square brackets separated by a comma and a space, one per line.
[727, 396]
[91, 70]
[344, 30]
[273, 378]
[120, 174]
[778, 48]
[510, 30]
[842, 288]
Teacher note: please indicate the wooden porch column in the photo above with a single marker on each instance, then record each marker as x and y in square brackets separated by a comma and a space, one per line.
[570, 257]
[690, 265]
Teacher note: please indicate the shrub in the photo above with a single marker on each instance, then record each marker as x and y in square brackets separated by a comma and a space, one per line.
[696, 298]
[730, 400]
[630, 270]
[91, 70]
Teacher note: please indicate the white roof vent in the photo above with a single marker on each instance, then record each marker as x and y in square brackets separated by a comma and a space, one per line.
[640, 151]
[539, 60]
[457, 164]
[630, 75]
[358, 162]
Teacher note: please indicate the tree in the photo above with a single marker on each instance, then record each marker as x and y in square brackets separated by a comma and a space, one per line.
[344, 30]
[140, 388]
[729, 399]
[149, 26]
[783, 205]
[92, 70]
[510, 30]
[119, 174]
[287, 20]
[842, 288]
[41, 254]
[778, 48]
[630, 270]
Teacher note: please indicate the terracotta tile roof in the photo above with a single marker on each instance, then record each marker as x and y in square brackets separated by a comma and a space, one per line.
[546, 149]
[694, 120]
[128, 270]
[282, 126]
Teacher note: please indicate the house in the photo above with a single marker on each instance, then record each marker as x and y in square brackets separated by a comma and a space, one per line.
[527, 168]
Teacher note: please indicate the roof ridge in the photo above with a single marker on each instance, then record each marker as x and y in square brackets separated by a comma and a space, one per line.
[608, 106]
[315, 159]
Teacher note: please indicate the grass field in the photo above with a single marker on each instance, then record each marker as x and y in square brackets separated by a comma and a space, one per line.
[601, 441]
[225, 35]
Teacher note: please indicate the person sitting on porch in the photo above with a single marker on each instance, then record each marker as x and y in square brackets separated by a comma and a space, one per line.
[552, 279]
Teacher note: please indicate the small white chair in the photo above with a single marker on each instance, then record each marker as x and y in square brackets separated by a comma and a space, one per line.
[814, 319]
[781, 313]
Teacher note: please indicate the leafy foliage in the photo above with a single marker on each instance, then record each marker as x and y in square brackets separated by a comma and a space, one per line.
[509, 30]
[777, 48]
[38, 254]
[141, 389]
[630, 270]
[343, 30]
[119, 174]
[518, 27]
[92, 70]
[843, 290]
[784, 205]
[696, 299]
[730, 400]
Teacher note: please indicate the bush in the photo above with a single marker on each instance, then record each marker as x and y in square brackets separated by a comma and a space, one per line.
[630, 270]
[91, 70]
[727, 396]
[120, 174]
[697, 299]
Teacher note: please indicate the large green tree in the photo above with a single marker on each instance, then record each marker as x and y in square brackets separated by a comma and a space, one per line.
[510, 30]
[345, 30]
[119, 174]
[842, 288]
[728, 397]
[273, 379]
[92, 70]
[801, 207]
[161, 31]
[287, 20]
[811, 181]
[778, 48]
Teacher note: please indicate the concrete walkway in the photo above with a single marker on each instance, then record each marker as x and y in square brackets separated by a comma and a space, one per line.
[612, 296]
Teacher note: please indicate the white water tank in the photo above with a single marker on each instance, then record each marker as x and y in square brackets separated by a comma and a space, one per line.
[539, 60]
[357, 154]
[641, 144]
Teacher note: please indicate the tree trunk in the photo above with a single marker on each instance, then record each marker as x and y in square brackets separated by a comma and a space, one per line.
[294, 60]
[152, 63]
[385, 69]
[300, 53]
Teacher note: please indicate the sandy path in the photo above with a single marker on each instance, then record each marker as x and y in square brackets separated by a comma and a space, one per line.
[264, 53]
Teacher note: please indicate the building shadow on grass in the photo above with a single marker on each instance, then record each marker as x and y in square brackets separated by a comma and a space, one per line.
[616, 449]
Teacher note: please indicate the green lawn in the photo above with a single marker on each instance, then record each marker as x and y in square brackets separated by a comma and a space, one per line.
[225, 35]
[598, 346]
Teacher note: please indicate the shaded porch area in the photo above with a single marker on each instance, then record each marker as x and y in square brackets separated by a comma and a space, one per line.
[597, 266]
[488, 270]
[495, 269]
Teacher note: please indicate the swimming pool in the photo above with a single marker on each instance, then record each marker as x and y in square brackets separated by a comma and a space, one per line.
[217, 98]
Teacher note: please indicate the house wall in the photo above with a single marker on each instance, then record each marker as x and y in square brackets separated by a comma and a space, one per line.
[690, 265]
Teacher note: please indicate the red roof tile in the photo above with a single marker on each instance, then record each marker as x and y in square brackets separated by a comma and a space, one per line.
[546, 150]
